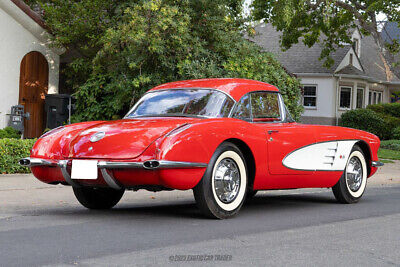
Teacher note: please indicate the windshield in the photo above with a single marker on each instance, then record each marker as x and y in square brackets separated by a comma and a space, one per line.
[183, 102]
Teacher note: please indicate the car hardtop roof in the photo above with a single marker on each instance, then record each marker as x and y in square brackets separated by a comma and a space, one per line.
[234, 87]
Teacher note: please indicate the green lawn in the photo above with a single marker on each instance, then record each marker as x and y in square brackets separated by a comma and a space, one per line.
[388, 154]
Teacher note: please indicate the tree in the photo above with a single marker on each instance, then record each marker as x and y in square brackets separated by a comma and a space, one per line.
[126, 47]
[327, 21]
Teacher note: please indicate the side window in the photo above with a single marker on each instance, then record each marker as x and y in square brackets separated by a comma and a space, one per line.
[265, 107]
[243, 109]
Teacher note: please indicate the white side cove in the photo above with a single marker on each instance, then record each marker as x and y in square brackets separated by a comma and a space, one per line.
[325, 156]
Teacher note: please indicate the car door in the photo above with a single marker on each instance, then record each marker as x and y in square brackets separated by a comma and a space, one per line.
[283, 136]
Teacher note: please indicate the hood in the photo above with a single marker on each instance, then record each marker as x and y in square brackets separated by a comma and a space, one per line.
[123, 139]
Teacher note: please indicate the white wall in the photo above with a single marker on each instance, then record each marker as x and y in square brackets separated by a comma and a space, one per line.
[15, 42]
[326, 88]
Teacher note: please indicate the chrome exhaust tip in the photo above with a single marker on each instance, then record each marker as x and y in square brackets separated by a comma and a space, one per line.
[25, 162]
[151, 164]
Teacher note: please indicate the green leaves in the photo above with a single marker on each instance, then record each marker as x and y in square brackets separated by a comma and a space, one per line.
[324, 21]
[382, 120]
[9, 132]
[127, 47]
[11, 151]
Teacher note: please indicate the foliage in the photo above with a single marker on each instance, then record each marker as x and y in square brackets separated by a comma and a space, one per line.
[11, 151]
[367, 120]
[388, 154]
[263, 67]
[9, 132]
[396, 133]
[326, 22]
[126, 47]
[391, 144]
[390, 112]
[392, 109]
[390, 149]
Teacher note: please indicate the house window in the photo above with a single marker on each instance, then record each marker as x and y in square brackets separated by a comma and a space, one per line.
[351, 59]
[310, 96]
[370, 98]
[360, 98]
[379, 97]
[375, 97]
[345, 97]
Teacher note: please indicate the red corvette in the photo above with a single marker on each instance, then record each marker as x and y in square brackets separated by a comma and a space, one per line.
[223, 138]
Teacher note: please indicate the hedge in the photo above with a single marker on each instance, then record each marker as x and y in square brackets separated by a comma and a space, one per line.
[11, 151]
[392, 109]
[396, 133]
[9, 132]
[367, 120]
[380, 119]
[391, 144]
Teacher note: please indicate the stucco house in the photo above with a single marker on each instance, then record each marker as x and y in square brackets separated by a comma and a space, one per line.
[29, 66]
[360, 75]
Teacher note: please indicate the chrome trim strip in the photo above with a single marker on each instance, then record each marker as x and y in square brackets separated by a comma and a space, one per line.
[166, 164]
[377, 164]
[110, 179]
[163, 164]
[63, 165]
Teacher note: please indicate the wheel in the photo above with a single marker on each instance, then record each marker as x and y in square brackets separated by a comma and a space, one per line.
[222, 190]
[351, 186]
[251, 194]
[98, 198]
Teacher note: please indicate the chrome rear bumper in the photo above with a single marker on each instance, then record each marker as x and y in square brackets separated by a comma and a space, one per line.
[104, 165]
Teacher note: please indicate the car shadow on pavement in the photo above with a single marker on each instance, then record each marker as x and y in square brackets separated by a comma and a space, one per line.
[187, 209]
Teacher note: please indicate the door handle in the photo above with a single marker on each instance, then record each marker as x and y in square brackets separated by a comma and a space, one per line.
[273, 131]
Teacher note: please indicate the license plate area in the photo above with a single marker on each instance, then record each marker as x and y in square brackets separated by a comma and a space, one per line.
[84, 169]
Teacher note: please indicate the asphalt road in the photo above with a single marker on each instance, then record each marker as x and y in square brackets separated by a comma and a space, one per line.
[44, 225]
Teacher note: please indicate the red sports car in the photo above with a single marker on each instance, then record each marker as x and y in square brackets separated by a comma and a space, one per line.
[223, 138]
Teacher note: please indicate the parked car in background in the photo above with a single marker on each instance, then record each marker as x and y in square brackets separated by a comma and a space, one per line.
[224, 138]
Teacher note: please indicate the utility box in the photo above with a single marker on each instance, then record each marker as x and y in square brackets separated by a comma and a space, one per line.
[58, 109]
[17, 117]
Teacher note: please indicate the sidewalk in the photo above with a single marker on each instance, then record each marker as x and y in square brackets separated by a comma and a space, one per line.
[387, 174]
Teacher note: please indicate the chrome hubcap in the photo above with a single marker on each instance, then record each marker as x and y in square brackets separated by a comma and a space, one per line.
[354, 174]
[227, 180]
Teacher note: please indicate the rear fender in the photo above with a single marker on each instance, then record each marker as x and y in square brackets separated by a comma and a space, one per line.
[199, 142]
[56, 145]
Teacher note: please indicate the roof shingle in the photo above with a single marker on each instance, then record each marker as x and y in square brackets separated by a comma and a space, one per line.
[302, 59]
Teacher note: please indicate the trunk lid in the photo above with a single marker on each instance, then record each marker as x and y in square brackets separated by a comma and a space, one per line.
[123, 139]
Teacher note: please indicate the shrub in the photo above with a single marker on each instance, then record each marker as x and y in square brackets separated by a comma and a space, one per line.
[367, 120]
[11, 151]
[392, 109]
[396, 133]
[391, 144]
[9, 132]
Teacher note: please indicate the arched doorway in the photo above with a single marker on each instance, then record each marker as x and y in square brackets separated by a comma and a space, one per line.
[33, 86]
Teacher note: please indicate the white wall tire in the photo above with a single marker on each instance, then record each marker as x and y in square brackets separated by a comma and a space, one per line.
[352, 184]
[222, 190]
